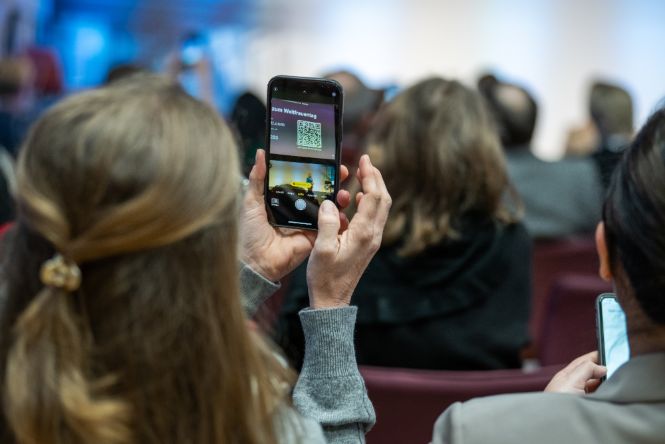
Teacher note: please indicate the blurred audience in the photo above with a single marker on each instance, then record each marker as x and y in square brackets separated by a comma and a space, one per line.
[122, 71]
[608, 131]
[629, 407]
[360, 105]
[16, 101]
[611, 110]
[560, 198]
[450, 285]
[248, 119]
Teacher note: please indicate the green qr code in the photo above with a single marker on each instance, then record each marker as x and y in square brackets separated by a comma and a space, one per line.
[309, 135]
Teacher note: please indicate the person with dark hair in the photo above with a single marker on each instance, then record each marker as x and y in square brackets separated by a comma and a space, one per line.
[455, 257]
[560, 198]
[123, 71]
[248, 118]
[17, 107]
[630, 405]
[611, 110]
[360, 106]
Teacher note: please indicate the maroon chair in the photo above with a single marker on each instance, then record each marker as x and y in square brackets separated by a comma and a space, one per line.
[407, 402]
[551, 260]
[569, 327]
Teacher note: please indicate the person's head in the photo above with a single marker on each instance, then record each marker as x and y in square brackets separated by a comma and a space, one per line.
[631, 240]
[438, 149]
[16, 75]
[513, 108]
[123, 71]
[136, 185]
[249, 120]
[360, 102]
[611, 109]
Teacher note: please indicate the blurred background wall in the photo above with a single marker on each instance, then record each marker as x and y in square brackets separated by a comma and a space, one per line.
[554, 47]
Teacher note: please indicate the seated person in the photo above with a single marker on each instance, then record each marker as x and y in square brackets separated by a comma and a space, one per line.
[560, 198]
[450, 286]
[629, 407]
[121, 316]
[611, 110]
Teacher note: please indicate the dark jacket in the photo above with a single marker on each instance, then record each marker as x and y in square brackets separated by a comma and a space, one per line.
[463, 304]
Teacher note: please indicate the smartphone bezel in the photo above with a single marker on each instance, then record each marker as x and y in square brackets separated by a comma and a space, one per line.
[599, 327]
[303, 89]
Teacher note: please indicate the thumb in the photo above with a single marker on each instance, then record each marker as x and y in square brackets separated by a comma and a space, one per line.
[257, 175]
[328, 225]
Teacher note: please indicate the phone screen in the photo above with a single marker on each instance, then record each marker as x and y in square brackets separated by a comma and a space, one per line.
[303, 148]
[614, 348]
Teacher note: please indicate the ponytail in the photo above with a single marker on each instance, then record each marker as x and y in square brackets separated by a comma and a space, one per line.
[49, 396]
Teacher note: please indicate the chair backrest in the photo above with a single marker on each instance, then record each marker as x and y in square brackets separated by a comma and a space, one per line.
[569, 327]
[551, 260]
[407, 402]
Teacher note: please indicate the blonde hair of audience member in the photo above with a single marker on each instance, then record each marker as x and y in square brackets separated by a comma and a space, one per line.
[138, 184]
[439, 152]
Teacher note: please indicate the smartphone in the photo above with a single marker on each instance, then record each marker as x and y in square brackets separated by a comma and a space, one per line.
[303, 148]
[612, 337]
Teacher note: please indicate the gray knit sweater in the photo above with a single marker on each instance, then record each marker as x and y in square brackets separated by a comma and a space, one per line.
[330, 396]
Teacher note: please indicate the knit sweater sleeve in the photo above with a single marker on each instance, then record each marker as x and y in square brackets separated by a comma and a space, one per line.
[330, 396]
[254, 289]
[330, 389]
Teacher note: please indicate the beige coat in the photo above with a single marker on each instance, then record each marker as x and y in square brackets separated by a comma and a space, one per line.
[627, 408]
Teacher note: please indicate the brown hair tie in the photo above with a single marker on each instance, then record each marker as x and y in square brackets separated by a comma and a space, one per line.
[60, 273]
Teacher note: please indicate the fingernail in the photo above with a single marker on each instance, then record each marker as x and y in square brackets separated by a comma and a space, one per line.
[328, 207]
[256, 156]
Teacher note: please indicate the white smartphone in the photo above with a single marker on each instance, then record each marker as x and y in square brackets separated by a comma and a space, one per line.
[612, 337]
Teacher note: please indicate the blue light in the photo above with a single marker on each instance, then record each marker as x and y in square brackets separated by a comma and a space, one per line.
[89, 41]
[84, 44]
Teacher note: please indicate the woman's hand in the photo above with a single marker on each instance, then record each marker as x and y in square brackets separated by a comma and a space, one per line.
[338, 260]
[271, 251]
[579, 377]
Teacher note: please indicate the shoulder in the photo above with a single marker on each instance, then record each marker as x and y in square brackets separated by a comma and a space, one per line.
[291, 427]
[528, 417]
[515, 236]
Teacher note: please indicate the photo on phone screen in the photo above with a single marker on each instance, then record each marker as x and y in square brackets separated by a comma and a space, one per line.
[303, 148]
[612, 336]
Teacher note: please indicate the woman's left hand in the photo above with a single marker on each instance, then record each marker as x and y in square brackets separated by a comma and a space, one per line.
[271, 251]
[579, 377]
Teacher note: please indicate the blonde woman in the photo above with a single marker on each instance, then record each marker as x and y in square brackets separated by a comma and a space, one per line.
[450, 286]
[122, 320]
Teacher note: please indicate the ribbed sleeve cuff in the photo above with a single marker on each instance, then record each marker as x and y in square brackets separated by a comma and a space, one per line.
[329, 348]
[255, 289]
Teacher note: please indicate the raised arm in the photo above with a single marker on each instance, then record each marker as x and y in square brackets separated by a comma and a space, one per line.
[330, 388]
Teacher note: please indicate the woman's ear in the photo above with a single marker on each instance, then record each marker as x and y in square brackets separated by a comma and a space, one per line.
[605, 271]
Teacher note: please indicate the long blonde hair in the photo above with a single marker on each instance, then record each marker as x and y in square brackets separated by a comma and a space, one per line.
[138, 184]
[440, 154]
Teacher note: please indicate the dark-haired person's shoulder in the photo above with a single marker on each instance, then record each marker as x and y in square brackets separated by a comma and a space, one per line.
[516, 231]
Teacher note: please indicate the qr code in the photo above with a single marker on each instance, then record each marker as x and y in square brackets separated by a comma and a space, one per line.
[309, 134]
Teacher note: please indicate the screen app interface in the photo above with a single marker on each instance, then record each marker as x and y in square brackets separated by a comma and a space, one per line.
[615, 339]
[302, 159]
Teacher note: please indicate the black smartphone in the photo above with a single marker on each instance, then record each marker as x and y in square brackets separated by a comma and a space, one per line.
[612, 337]
[303, 148]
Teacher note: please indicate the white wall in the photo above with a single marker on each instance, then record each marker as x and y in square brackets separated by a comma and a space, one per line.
[555, 47]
